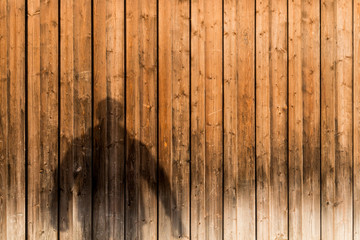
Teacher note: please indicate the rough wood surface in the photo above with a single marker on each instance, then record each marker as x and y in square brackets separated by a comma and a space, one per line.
[179, 119]
[12, 120]
[356, 109]
[304, 120]
[141, 120]
[174, 120]
[109, 120]
[336, 116]
[271, 119]
[76, 120]
[206, 120]
[239, 120]
[43, 110]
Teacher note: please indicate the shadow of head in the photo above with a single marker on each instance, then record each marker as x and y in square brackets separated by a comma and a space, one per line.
[92, 173]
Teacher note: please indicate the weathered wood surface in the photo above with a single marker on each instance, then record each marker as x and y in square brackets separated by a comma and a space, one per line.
[239, 120]
[337, 119]
[43, 111]
[174, 119]
[109, 120]
[206, 120]
[304, 119]
[356, 109]
[179, 119]
[12, 120]
[141, 120]
[271, 119]
[75, 120]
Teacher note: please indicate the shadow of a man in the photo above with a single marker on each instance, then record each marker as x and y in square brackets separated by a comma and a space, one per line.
[103, 177]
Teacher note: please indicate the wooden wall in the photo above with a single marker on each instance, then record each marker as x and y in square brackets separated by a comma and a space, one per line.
[179, 119]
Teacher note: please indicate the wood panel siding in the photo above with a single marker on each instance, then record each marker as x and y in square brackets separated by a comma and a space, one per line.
[180, 119]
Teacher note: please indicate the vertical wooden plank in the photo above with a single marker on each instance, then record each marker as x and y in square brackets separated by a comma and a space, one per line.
[76, 120]
[174, 126]
[304, 119]
[271, 119]
[109, 131]
[206, 120]
[3, 116]
[43, 119]
[239, 120]
[343, 122]
[328, 65]
[12, 119]
[197, 123]
[356, 109]
[336, 115]
[141, 120]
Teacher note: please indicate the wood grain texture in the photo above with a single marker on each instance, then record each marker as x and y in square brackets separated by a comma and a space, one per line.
[206, 120]
[336, 116]
[271, 119]
[12, 120]
[304, 120]
[141, 120]
[76, 120]
[239, 120]
[109, 120]
[356, 109]
[43, 110]
[179, 119]
[174, 119]
[3, 117]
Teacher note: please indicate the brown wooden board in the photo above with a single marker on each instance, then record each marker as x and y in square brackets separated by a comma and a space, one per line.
[76, 120]
[206, 120]
[304, 120]
[43, 110]
[271, 119]
[174, 119]
[356, 126]
[109, 120]
[239, 120]
[141, 120]
[336, 119]
[12, 120]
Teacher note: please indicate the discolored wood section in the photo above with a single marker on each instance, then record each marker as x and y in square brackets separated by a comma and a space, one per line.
[12, 120]
[43, 110]
[336, 117]
[174, 119]
[75, 120]
[206, 120]
[271, 119]
[109, 120]
[304, 120]
[141, 120]
[239, 120]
